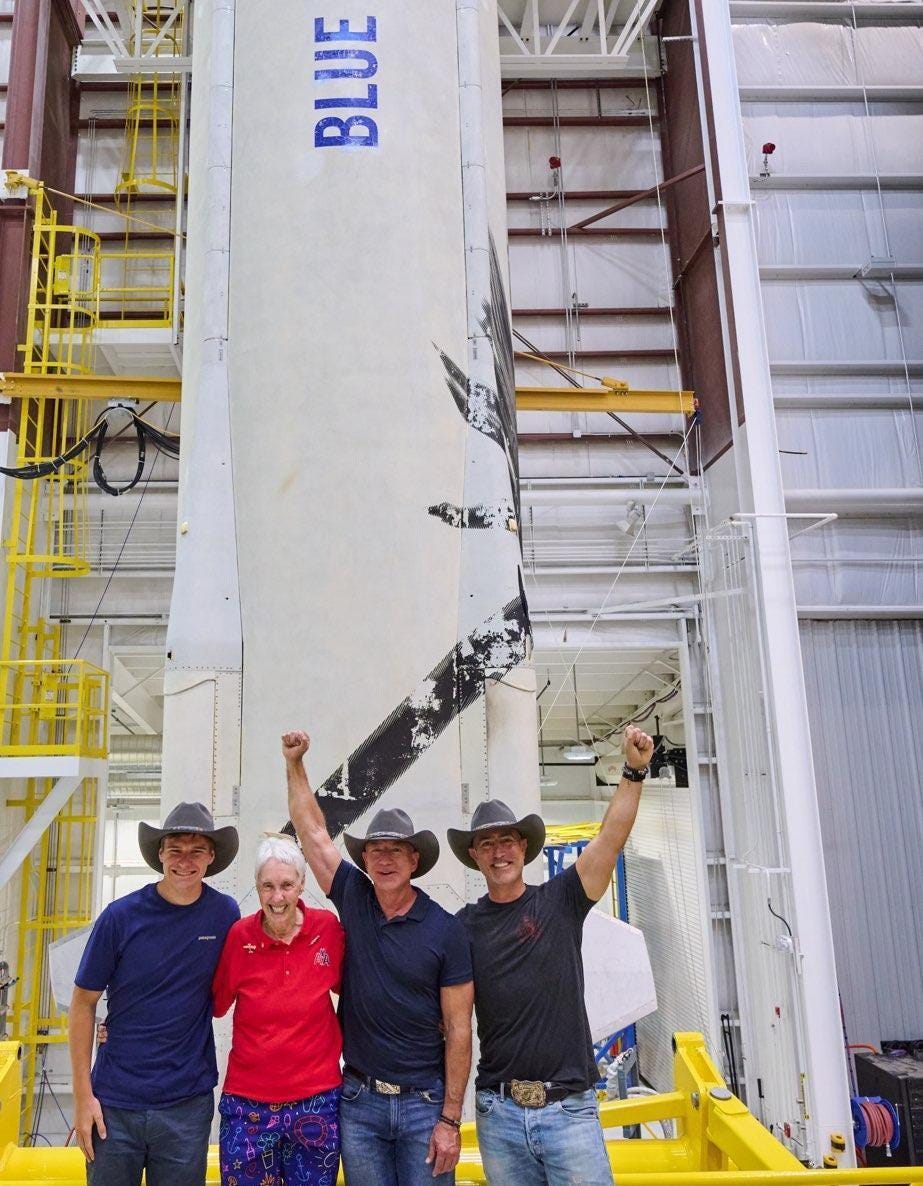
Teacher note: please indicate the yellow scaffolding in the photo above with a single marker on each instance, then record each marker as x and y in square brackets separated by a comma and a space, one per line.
[716, 1141]
[52, 708]
[49, 707]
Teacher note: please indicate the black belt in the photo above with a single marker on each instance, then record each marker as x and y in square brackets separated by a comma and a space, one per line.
[529, 1093]
[381, 1086]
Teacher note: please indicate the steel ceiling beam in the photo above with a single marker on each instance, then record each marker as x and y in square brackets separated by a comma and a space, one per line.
[152, 388]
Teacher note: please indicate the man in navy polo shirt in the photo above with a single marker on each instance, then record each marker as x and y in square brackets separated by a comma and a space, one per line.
[149, 1102]
[406, 980]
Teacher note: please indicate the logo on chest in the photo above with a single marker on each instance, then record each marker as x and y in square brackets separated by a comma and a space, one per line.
[529, 929]
[250, 947]
[322, 958]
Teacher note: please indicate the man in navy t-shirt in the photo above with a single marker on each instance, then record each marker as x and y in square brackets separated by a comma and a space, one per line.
[407, 993]
[154, 952]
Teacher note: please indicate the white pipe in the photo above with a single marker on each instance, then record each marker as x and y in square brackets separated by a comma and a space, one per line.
[825, 1084]
[821, 401]
[861, 612]
[589, 496]
[896, 500]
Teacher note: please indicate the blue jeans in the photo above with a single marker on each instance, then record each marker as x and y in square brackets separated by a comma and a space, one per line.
[169, 1144]
[296, 1144]
[559, 1145]
[384, 1139]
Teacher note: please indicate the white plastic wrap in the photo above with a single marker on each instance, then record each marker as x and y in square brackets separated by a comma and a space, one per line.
[847, 320]
[867, 562]
[838, 226]
[840, 145]
[807, 54]
[875, 447]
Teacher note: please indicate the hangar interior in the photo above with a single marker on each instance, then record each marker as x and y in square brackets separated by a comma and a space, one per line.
[723, 199]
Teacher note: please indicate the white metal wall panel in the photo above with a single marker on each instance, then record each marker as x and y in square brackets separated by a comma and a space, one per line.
[865, 688]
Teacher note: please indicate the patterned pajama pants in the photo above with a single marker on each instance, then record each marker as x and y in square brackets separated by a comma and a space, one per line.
[296, 1144]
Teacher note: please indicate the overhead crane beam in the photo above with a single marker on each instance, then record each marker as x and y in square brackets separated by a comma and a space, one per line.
[150, 388]
[603, 399]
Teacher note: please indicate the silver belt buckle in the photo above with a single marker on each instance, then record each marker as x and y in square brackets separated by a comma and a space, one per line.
[528, 1093]
[387, 1088]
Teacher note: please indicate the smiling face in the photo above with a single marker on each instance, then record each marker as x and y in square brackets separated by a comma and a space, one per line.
[390, 863]
[500, 854]
[185, 858]
[279, 887]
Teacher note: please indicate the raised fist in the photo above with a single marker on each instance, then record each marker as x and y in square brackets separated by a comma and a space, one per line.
[639, 747]
[295, 745]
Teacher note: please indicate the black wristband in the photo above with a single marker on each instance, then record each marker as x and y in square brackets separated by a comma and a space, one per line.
[634, 775]
[443, 1119]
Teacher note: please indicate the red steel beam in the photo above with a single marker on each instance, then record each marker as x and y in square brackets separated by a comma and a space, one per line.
[647, 193]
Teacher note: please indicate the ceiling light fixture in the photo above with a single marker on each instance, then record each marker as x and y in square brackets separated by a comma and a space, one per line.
[579, 753]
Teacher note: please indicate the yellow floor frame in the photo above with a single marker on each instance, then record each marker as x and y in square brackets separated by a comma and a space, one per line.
[717, 1140]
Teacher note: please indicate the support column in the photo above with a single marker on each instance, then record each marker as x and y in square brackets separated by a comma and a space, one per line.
[822, 1059]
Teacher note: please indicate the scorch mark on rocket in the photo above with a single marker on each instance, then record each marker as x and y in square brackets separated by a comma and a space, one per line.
[494, 647]
[477, 517]
[497, 645]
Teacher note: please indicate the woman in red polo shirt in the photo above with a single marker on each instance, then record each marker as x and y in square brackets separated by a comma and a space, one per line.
[280, 1101]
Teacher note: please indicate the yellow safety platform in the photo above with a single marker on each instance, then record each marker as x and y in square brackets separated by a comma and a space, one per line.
[716, 1139]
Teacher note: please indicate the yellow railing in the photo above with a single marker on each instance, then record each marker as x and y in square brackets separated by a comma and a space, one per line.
[717, 1142]
[55, 900]
[136, 290]
[62, 306]
[59, 709]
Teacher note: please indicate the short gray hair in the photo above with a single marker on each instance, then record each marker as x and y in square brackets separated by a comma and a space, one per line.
[278, 848]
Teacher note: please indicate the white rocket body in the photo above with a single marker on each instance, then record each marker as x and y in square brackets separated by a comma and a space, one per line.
[362, 504]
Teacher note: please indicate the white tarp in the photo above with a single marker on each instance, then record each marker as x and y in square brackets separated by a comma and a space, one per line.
[828, 54]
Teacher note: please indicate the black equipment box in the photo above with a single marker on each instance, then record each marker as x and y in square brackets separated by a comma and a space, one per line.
[899, 1080]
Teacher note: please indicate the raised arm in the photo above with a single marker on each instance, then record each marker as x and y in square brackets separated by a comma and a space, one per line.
[304, 810]
[596, 863]
[457, 1001]
[88, 1111]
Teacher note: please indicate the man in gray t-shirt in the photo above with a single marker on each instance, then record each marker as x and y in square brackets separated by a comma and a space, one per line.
[536, 1114]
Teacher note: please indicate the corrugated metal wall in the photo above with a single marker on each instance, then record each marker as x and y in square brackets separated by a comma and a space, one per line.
[865, 691]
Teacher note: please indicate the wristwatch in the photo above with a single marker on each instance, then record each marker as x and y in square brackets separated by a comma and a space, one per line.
[635, 775]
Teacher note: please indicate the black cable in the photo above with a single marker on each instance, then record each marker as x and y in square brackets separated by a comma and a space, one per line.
[162, 440]
[44, 469]
[99, 476]
[780, 918]
[118, 558]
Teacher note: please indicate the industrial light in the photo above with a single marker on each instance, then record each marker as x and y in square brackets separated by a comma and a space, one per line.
[633, 520]
[579, 753]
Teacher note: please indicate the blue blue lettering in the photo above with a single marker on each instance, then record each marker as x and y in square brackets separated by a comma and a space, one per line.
[343, 135]
[371, 100]
[344, 33]
[363, 55]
